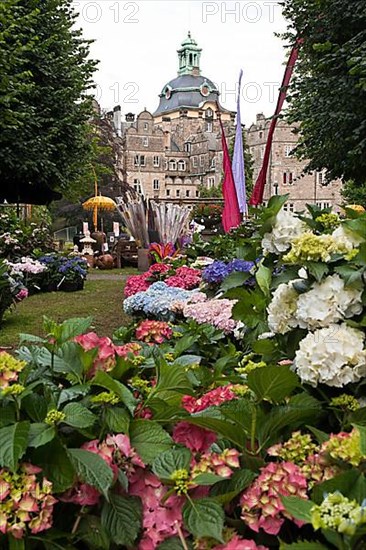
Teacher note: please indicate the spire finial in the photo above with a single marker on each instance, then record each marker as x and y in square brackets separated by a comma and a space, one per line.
[189, 34]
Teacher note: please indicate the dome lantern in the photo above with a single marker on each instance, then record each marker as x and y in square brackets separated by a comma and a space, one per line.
[189, 57]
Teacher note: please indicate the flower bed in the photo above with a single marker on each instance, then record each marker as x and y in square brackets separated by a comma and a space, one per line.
[176, 434]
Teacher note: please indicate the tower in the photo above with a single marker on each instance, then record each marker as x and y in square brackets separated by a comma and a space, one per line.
[189, 57]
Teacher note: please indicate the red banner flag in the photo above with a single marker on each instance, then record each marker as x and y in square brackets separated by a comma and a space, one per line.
[231, 216]
[257, 194]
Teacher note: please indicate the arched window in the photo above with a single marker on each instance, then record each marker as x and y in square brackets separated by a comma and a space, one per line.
[181, 165]
[172, 164]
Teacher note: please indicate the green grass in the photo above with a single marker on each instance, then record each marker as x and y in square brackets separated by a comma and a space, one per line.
[101, 300]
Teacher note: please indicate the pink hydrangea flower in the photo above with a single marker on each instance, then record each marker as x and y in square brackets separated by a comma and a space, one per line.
[221, 464]
[26, 501]
[160, 520]
[216, 312]
[136, 283]
[107, 351]
[88, 341]
[117, 452]
[214, 397]
[197, 439]
[262, 507]
[153, 332]
[236, 543]
[185, 277]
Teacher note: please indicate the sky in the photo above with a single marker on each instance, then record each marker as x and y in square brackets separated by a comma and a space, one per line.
[136, 43]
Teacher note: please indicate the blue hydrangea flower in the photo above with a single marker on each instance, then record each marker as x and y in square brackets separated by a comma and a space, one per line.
[215, 272]
[240, 265]
[156, 302]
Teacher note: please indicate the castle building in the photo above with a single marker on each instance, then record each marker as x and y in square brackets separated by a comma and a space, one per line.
[172, 152]
[176, 149]
[286, 172]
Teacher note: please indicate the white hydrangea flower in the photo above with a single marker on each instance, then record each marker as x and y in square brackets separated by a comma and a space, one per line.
[287, 227]
[348, 238]
[281, 310]
[334, 356]
[327, 302]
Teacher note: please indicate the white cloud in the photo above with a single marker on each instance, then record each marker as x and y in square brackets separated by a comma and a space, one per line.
[136, 43]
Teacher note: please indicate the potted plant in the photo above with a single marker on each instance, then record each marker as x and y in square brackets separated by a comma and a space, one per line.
[65, 273]
[207, 214]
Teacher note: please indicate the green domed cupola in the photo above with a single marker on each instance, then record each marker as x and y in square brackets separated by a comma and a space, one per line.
[189, 57]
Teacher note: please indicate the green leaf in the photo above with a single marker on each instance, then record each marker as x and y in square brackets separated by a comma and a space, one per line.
[7, 415]
[92, 533]
[350, 275]
[204, 518]
[303, 545]
[35, 406]
[174, 543]
[362, 430]
[187, 360]
[13, 443]
[170, 461]
[236, 278]
[321, 437]
[122, 518]
[272, 383]
[40, 434]
[263, 277]
[16, 544]
[207, 419]
[184, 343]
[300, 409]
[78, 416]
[299, 508]
[172, 380]
[92, 469]
[344, 483]
[105, 381]
[56, 465]
[149, 439]
[225, 491]
[317, 269]
[117, 419]
[67, 330]
[207, 479]
[69, 394]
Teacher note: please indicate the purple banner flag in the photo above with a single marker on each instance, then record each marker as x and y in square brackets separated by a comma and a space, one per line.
[238, 159]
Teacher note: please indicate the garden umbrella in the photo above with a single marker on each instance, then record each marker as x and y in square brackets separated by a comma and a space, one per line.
[98, 203]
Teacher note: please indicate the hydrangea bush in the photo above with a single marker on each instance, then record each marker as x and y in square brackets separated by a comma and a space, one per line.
[174, 434]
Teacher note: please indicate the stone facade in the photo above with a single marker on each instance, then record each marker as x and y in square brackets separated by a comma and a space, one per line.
[286, 172]
[170, 153]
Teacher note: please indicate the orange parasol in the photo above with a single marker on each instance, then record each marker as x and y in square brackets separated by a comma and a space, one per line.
[98, 202]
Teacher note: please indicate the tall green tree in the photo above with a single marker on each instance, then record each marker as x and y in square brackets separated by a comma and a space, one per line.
[327, 96]
[45, 75]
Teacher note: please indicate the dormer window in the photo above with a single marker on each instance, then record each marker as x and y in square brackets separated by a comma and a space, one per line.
[188, 147]
[209, 113]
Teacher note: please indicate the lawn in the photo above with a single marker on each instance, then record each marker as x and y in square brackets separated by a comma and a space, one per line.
[100, 299]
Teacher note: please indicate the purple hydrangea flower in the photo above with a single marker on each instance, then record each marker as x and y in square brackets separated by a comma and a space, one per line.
[215, 272]
[240, 265]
